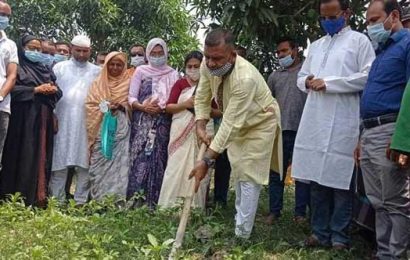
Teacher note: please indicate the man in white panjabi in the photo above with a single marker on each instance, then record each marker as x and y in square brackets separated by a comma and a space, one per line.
[74, 77]
[333, 75]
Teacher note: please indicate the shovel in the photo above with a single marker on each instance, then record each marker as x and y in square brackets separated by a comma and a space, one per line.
[186, 211]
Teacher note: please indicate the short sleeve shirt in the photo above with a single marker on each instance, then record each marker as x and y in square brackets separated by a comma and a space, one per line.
[8, 54]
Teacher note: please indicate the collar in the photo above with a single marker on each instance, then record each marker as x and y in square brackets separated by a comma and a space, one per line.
[297, 67]
[395, 37]
[343, 31]
[3, 36]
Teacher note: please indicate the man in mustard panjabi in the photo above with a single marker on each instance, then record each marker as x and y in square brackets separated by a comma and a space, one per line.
[250, 127]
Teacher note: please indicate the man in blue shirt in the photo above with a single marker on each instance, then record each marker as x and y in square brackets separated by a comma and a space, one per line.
[387, 184]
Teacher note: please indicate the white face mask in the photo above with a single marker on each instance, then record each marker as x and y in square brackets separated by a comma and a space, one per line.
[137, 61]
[193, 74]
[158, 61]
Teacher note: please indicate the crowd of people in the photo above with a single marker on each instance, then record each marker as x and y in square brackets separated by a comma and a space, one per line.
[343, 107]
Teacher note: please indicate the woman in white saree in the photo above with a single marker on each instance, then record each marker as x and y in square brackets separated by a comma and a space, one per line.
[183, 146]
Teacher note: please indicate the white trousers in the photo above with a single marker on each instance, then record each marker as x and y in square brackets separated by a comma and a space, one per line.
[246, 204]
[82, 189]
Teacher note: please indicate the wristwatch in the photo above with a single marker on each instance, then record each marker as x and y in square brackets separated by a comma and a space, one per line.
[1, 98]
[209, 162]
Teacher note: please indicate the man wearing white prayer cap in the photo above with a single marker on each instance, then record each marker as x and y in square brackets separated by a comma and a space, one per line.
[74, 77]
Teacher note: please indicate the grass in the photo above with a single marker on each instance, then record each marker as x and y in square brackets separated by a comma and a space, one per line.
[103, 231]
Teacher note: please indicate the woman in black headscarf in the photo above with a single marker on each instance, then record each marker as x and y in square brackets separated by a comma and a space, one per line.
[28, 149]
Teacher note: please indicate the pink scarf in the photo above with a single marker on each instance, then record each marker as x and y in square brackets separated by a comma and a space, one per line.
[163, 78]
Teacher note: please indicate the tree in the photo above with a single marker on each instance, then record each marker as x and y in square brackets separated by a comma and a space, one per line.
[259, 24]
[111, 24]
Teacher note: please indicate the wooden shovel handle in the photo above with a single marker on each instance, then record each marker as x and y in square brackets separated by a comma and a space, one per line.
[186, 210]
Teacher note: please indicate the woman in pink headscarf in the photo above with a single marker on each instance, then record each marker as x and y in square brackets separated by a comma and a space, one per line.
[149, 91]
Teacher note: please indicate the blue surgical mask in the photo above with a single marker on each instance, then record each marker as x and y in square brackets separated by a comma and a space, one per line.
[48, 60]
[333, 26]
[35, 56]
[287, 61]
[4, 22]
[157, 61]
[222, 71]
[377, 33]
[59, 58]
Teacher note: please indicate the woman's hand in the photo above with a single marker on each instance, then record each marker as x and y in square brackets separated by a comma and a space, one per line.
[188, 104]
[115, 107]
[151, 107]
[42, 89]
[45, 89]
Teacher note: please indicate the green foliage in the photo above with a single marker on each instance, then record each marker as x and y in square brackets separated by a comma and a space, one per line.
[109, 230]
[111, 24]
[259, 24]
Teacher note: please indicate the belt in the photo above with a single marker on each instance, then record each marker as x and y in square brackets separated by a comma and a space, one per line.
[378, 121]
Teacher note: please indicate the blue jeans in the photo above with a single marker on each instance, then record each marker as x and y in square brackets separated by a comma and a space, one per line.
[276, 186]
[331, 214]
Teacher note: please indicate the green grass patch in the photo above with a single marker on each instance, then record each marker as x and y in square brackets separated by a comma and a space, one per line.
[106, 231]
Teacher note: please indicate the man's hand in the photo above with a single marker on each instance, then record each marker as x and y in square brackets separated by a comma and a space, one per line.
[356, 155]
[201, 133]
[318, 85]
[401, 159]
[216, 113]
[199, 173]
[308, 82]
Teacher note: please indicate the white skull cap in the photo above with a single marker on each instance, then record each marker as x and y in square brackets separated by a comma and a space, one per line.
[81, 40]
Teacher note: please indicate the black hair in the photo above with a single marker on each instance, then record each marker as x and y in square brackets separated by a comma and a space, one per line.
[136, 45]
[193, 55]
[218, 36]
[292, 43]
[390, 6]
[240, 48]
[102, 53]
[49, 42]
[344, 4]
[62, 43]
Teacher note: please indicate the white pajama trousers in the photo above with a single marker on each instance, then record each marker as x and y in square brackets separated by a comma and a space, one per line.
[82, 189]
[246, 204]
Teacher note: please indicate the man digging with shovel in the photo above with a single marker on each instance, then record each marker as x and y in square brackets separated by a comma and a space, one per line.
[250, 127]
